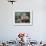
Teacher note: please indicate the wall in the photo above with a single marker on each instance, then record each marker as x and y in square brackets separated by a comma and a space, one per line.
[9, 31]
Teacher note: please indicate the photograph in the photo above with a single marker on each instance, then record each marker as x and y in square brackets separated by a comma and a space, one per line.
[23, 18]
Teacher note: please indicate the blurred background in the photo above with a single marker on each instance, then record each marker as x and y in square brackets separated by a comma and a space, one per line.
[8, 30]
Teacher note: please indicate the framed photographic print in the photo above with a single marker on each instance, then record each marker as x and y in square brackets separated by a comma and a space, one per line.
[23, 18]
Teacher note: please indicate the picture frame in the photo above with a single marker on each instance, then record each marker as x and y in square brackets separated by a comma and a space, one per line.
[23, 18]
